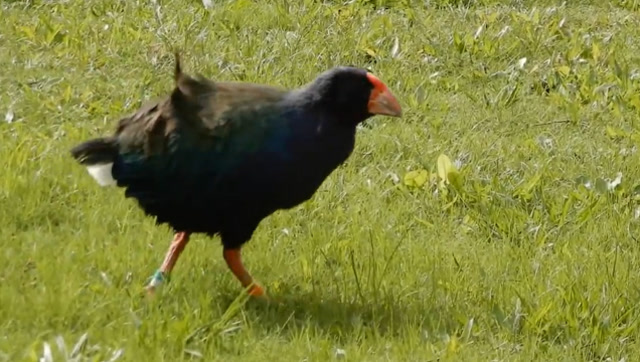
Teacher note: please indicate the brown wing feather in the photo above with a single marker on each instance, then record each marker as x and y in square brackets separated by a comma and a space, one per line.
[147, 128]
[196, 105]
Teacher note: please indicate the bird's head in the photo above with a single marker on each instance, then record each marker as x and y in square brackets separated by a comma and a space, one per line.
[354, 94]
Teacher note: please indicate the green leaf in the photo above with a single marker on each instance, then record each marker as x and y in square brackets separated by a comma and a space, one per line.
[635, 101]
[615, 133]
[29, 32]
[468, 224]
[458, 42]
[563, 70]
[424, 222]
[492, 17]
[456, 180]
[428, 49]
[444, 167]
[525, 191]
[416, 178]
[372, 53]
[595, 52]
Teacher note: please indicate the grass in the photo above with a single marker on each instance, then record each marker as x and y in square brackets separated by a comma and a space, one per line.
[486, 224]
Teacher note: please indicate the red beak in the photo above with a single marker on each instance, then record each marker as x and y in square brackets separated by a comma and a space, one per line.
[382, 101]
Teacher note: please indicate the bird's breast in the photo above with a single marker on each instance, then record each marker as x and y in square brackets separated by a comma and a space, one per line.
[305, 164]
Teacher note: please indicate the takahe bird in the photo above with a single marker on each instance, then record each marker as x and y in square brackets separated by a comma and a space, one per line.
[218, 157]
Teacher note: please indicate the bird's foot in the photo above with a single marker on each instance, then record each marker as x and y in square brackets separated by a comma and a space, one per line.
[258, 293]
[157, 280]
[150, 290]
[256, 290]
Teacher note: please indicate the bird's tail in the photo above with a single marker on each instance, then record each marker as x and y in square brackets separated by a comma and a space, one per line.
[188, 88]
[177, 74]
[98, 156]
[96, 151]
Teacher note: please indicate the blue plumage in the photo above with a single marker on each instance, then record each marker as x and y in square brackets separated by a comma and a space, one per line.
[219, 157]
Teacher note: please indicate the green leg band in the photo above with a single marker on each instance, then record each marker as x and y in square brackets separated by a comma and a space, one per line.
[158, 278]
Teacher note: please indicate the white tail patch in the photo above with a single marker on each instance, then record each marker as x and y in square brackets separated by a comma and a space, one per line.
[102, 174]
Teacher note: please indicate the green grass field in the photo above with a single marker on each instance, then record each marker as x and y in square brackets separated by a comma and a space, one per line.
[486, 224]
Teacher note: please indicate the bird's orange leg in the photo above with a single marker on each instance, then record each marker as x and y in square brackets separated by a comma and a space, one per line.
[234, 262]
[180, 240]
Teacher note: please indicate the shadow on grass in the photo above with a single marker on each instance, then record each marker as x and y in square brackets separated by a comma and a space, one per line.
[291, 312]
